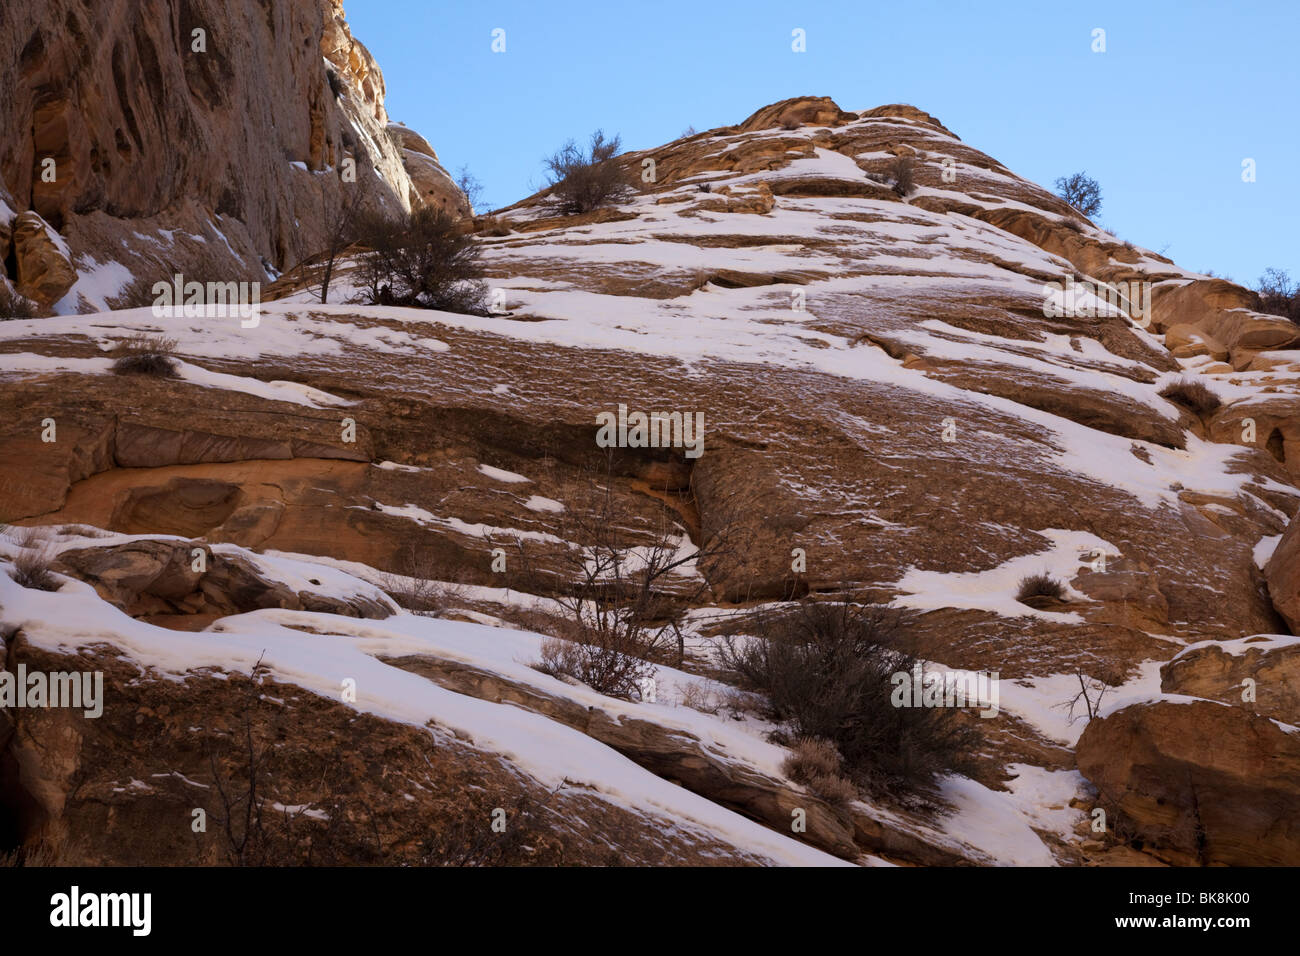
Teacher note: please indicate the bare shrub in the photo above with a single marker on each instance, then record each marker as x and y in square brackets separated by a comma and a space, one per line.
[1278, 294]
[1092, 689]
[811, 757]
[138, 294]
[341, 219]
[902, 173]
[421, 584]
[583, 180]
[469, 184]
[1192, 395]
[698, 696]
[827, 672]
[1040, 587]
[424, 260]
[32, 570]
[141, 354]
[835, 789]
[1081, 191]
[610, 666]
[1072, 224]
[15, 306]
[790, 123]
[617, 577]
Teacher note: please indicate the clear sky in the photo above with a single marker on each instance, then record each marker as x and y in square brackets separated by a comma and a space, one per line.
[1163, 119]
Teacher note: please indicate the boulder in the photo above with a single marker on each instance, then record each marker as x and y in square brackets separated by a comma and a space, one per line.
[150, 578]
[1282, 572]
[1219, 672]
[1198, 782]
[45, 269]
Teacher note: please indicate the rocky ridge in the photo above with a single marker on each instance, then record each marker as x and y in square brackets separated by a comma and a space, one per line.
[905, 388]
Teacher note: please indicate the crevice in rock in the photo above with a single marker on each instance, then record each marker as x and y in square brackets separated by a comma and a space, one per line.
[1275, 446]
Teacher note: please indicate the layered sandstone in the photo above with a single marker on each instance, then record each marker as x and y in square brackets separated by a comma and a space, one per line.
[197, 136]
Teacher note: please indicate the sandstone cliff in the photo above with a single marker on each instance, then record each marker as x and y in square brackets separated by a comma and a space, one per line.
[931, 396]
[143, 137]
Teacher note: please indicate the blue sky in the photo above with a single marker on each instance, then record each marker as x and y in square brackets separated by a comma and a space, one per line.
[1162, 119]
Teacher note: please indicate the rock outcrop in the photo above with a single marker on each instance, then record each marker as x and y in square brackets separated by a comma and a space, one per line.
[1283, 575]
[1260, 674]
[1198, 782]
[903, 401]
[194, 136]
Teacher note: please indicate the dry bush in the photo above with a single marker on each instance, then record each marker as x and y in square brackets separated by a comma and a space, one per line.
[583, 180]
[1039, 586]
[30, 537]
[138, 294]
[698, 696]
[826, 670]
[835, 789]
[1072, 224]
[32, 570]
[812, 757]
[422, 584]
[902, 172]
[616, 577]
[424, 260]
[1192, 395]
[609, 667]
[152, 355]
[1278, 294]
[790, 123]
[15, 306]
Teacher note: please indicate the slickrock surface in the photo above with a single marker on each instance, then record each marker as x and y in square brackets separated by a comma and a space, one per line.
[905, 388]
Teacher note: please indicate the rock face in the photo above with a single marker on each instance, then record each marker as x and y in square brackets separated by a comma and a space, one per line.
[166, 579]
[43, 265]
[894, 410]
[1217, 672]
[189, 135]
[1283, 575]
[1199, 782]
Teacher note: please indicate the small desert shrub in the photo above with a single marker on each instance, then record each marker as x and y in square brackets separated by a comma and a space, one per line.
[146, 355]
[811, 757]
[424, 260]
[15, 306]
[616, 671]
[421, 584]
[1072, 224]
[32, 570]
[138, 294]
[1040, 586]
[1278, 294]
[470, 185]
[790, 123]
[697, 696]
[827, 672]
[583, 180]
[835, 789]
[902, 172]
[1193, 395]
